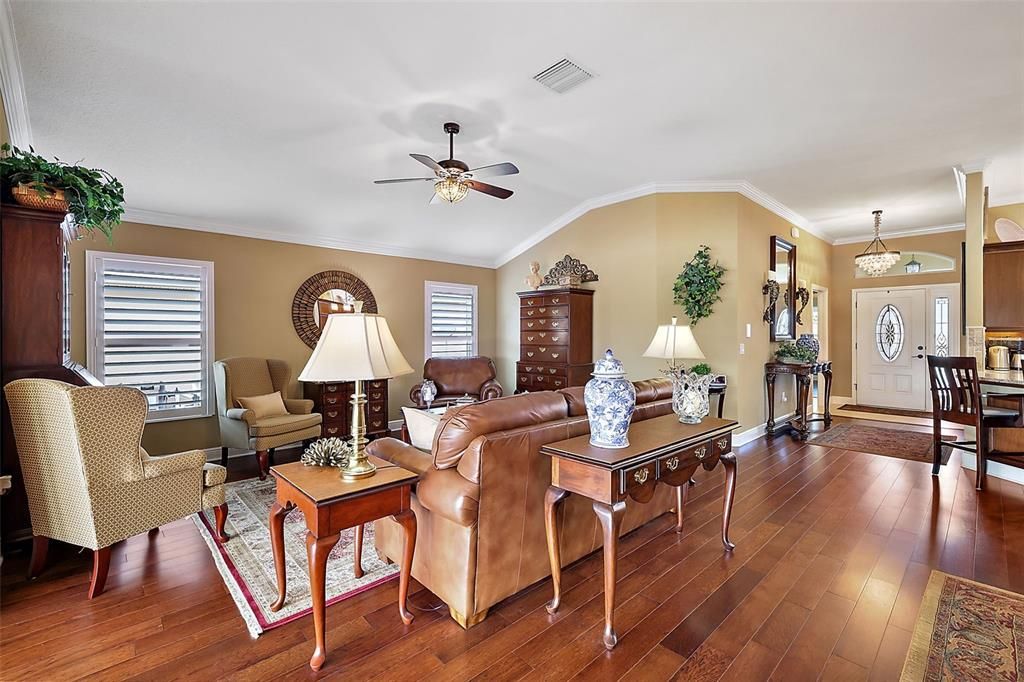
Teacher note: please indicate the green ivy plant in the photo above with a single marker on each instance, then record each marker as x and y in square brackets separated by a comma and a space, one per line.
[701, 369]
[789, 349]
[697, 286]
[94, 196]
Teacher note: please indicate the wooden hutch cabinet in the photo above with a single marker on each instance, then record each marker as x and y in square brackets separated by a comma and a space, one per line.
[1004, 282]
[555, 339]
[333, 402]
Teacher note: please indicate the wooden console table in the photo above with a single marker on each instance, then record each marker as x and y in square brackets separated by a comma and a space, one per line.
[803, 373]
[660, 450]
[331, 505]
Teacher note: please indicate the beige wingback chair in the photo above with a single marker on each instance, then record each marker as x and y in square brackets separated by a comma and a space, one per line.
[239, 428]
[89, 482]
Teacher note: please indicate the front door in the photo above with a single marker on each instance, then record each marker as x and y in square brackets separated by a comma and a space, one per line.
[892, 370]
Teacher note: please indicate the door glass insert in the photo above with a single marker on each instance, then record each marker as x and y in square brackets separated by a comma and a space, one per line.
[942, 326]
[889, 332]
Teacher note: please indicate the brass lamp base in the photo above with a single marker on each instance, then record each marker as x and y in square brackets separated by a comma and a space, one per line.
[358, 466]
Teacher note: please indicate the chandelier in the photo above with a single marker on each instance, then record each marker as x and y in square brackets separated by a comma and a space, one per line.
[451, 189]
[876, 260]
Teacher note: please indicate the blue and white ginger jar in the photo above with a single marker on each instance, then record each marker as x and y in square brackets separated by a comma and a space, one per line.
[610, 399]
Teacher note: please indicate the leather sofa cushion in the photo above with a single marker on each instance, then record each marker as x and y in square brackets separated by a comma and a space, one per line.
[649, 390]
[459, 376]
[574, 400]
[460, 425]
[404, 455]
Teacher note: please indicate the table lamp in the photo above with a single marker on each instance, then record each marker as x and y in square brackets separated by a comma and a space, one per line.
[675, 342]
[355, 347]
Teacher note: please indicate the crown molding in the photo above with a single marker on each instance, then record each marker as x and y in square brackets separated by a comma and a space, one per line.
[161, 219]
[12, 86]
[683, 186]
[935, 229]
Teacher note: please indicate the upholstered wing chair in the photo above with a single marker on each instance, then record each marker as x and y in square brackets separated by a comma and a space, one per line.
[240, 428]
[88, 480]
[456, 377]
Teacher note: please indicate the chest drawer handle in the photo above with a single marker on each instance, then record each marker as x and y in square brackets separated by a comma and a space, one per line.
[552, 370]
[529, 301]
[554, 356]
[331, 401]
[530, 325]
[333, 414]
[723, 443]
[542, 334]
[640, 476]
[529, 312]
[529, 354]
[701, 452]
[529, 338]
[554, 324]
[558, 382]
[332, 431]
[555, 300]
[543, 310]
[543, 349]
[672, 463]
[554, 339]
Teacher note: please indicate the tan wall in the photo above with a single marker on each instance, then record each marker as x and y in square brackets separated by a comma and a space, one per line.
[255, 281]
[637, 248]
[1014, 212]
[813, 260]
[844, 282]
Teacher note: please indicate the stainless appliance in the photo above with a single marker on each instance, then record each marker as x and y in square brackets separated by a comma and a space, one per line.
[998, 357]
[1016, 361]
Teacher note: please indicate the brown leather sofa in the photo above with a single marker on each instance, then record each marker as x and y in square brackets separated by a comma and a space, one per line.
[456, 377]
[479, 501]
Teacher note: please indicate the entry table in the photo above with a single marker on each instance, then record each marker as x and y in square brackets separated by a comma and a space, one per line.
[660, 450]
[803, 372]
[331, 505]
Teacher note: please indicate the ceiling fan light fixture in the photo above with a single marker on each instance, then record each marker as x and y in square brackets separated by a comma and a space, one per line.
[451, 190]
[877, 259]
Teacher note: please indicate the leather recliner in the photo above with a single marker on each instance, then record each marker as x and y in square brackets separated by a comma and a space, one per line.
[479, 503]
[457, 377]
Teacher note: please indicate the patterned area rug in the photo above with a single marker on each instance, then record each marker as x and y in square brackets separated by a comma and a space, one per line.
[246, 561]
[966, 631]
[875, 440]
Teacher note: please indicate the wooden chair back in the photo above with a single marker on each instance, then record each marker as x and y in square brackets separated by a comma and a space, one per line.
[956, 393]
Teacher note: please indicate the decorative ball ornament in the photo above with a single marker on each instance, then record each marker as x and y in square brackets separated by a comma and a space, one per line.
[327, 452]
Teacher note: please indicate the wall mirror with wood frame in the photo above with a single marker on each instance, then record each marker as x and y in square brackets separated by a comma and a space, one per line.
[327, 293]
[782, 263]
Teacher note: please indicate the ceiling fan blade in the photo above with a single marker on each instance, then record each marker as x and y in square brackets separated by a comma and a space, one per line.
[494, 191]
[434, 199]
[393, 180]
[428, 162]
[494, 169]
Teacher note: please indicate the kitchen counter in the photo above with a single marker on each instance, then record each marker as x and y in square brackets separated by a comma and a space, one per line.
[1013, 378]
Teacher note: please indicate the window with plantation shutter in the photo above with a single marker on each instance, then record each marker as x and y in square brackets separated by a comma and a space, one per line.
[451, 320]
[150, 326]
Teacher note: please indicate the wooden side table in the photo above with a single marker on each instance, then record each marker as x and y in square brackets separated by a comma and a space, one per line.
[660, 450]
[331, 505]
[803, 372]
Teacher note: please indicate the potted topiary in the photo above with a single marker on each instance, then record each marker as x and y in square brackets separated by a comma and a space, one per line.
[792, 354]
[94, 197]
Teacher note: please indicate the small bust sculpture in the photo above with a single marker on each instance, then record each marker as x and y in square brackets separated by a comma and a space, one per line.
[534, 279]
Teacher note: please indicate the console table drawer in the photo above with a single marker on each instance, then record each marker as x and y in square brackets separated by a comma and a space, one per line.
[722, 444]
[638, 477]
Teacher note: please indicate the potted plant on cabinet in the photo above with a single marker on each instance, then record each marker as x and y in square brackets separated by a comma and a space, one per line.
[94, 197]
[793, 354]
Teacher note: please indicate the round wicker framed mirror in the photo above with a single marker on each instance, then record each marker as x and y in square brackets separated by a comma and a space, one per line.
[326, 293]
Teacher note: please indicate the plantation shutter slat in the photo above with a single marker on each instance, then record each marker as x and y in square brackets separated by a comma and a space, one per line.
[452, 317]
[151, 321]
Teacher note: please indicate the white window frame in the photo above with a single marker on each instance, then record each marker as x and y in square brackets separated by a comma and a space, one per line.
[95, 263]
[430, 288]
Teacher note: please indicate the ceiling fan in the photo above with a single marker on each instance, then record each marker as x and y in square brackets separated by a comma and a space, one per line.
[453, 179]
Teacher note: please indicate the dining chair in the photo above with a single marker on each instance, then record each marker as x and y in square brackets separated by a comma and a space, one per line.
[956, 397]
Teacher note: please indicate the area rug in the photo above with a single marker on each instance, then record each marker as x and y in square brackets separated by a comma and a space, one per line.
[966, 631]
[246, 561]
[887, 410]
[912, 445]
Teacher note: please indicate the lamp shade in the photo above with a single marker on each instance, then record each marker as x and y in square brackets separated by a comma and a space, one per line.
[672, 342]
[355, 346]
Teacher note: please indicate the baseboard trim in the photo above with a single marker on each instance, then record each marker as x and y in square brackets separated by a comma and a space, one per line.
[744, 437]
[996, 469]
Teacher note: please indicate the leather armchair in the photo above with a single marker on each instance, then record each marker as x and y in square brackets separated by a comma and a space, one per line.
[89, 482]
[456, 377]
[479, 500]
[239, 428]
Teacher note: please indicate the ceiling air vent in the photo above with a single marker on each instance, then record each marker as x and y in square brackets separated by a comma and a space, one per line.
[563, 76]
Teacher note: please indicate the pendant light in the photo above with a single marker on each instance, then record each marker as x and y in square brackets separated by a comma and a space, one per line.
[914, 266]
[876, 260]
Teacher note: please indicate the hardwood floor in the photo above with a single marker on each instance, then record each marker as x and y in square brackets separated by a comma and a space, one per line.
[834, 549]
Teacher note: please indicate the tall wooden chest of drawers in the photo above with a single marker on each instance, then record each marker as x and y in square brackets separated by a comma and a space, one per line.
[555, 339]
[332, 401]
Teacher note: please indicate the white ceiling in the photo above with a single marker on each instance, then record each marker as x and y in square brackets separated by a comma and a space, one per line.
[272, 119]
